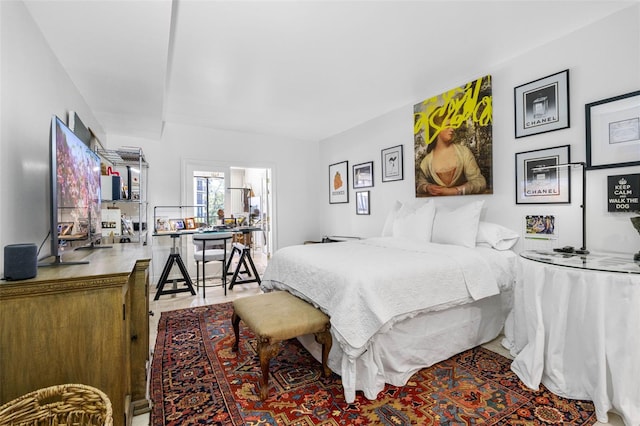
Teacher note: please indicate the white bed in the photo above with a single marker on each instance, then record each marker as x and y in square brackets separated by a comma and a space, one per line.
[397, 304]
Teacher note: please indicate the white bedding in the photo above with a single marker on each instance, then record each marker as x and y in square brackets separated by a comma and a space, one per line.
[367, 286]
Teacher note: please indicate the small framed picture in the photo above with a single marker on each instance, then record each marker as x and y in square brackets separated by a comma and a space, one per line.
[542, 176]
[162, 224]
[176, 224]
[613, 132]
[541, 227]
[190, 223]
[392, 163]
[65, 228]
[623, 193]
[339, 183]
[363, 175]
[542, 105]
[362, 202]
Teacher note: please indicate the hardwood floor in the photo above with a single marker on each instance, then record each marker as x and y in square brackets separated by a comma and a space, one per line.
[215, 294]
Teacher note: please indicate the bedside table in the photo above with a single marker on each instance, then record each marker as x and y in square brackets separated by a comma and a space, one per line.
[576, 321]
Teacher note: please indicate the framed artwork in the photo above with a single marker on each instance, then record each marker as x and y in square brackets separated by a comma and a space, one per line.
[363, 175]
[339, 183]
[461, 118]
[190, 223]
[176, 224]
[613, 132]
[362, 202]
[65, 228]
[541, 227]
[542, 105]
[392, 163]
[539, 180]
[162, 224]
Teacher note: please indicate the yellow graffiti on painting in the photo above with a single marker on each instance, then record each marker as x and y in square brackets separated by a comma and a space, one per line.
[456, 106]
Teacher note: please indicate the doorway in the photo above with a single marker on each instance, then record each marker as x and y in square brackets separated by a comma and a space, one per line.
[243, 193]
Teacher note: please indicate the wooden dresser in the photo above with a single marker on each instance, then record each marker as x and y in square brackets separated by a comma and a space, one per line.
[84, 324]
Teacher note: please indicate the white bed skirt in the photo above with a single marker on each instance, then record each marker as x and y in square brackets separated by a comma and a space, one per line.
[415, 343]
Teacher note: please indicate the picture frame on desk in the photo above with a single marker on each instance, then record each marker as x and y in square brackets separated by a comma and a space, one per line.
[162, 225]
[613, 131]
[176, 224]
[540, 227]
[190, 223]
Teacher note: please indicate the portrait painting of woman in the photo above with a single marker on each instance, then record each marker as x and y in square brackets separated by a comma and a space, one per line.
[453, 142]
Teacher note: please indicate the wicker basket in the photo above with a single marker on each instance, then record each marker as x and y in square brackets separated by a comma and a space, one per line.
[69, 404]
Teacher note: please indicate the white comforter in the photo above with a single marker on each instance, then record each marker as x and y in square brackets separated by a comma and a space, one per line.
[366, 286]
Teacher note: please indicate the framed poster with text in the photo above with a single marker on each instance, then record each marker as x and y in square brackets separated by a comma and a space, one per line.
[339, 183]
[542, 105]
[539, 180]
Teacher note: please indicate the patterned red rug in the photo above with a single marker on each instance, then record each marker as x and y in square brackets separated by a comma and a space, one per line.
[196, 379]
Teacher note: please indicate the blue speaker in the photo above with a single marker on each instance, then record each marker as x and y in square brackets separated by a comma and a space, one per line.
[20, 261]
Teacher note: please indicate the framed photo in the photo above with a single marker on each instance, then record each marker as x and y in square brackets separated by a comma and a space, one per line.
[541, 227]
[542, 105]
[363, 175]
[362, 202]
[176, 224]
[162, 224]
[65, 228]
[539, 180]
[339, 183]
[613, 132]
[392, 163]
[190, 223]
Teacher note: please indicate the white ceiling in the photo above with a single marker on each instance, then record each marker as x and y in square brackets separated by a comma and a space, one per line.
[301, 69]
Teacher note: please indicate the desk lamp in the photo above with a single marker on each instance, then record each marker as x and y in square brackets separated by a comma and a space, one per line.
[583, 206]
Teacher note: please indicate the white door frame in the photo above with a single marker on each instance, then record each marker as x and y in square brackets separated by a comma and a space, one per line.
[191, 165]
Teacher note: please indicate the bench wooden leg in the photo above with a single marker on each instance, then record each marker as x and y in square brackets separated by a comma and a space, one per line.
[266, 351]
[235, 322]
[324, 338]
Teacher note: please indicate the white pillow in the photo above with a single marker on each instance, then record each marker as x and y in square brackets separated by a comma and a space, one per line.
[497, 236]
[459, 226]
[414, 224]
[387, 229]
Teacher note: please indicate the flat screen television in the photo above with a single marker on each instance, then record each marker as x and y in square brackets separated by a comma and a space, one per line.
[74, 190]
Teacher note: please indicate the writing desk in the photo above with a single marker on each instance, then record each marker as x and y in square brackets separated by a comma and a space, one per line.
[576, 329]
[176, 258]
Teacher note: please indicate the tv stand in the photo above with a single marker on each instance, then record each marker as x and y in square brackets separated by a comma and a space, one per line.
[50, 323]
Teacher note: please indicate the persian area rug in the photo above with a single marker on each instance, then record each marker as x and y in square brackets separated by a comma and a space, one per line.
[197, 379]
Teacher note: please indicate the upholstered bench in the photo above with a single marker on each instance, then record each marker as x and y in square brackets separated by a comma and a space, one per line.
[277, 316]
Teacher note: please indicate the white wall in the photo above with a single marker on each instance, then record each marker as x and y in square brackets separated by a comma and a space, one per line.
[33, 87]
[293, 164]
[603, 61]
